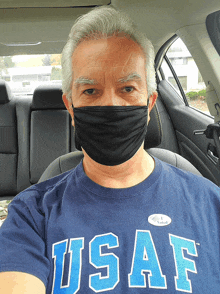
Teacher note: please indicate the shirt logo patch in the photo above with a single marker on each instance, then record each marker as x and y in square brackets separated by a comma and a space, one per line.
[159, 220]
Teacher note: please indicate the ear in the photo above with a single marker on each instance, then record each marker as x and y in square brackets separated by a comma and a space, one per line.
[69, 107]
[152, 101]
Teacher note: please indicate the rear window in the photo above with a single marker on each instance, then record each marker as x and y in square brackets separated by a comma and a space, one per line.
[213, 28]
[24, 73]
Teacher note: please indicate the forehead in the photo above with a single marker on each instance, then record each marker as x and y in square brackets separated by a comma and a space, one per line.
[115, 54]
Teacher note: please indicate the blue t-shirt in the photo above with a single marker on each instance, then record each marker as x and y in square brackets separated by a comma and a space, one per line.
[160, 236]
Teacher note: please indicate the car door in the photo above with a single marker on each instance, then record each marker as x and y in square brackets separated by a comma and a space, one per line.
[183, 92]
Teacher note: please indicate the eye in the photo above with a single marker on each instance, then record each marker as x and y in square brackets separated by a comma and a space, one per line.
[89, 91]
[128, 89]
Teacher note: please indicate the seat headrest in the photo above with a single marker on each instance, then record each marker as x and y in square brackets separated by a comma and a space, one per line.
[154, 130]
[48, 97]
[5, 92]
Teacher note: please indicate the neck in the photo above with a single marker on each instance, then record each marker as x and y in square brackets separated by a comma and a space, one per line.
[125, 175]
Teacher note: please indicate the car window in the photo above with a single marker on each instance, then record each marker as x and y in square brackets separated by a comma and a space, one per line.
[24, 73]
[179, 66]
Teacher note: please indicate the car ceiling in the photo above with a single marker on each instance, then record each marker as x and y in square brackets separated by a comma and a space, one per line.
[32, 27]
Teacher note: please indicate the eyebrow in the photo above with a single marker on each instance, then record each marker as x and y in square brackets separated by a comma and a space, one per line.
[130, 77]
[86, 81]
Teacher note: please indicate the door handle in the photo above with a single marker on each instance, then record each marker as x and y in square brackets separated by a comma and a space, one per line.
[212, 157]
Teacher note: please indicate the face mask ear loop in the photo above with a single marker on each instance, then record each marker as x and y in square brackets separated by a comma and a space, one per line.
[77, 145]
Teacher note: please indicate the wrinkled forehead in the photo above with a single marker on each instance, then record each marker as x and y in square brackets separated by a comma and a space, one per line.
[114, 50]
[115, 55]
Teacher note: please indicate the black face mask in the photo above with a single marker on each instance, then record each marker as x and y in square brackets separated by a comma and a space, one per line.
[110, 135]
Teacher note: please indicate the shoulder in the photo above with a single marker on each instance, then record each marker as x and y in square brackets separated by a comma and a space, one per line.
[186, 179]
[50, 186]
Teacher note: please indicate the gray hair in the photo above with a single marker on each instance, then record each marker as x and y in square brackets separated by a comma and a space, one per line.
[105, 22]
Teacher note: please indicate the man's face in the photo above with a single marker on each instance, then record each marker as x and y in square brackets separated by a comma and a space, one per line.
[109, 72]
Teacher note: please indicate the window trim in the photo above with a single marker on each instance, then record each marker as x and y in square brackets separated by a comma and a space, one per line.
[160, 56]
[163, 50]
[176, 79]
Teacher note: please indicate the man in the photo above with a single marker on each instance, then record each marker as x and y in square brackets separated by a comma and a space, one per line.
[121, 221]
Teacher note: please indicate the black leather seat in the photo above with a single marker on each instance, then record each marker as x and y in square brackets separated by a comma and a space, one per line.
[152, 140]
[8, 142]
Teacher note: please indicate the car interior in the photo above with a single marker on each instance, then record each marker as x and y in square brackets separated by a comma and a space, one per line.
[36, 134]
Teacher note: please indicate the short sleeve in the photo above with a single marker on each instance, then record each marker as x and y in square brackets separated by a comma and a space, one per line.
[22, 241]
